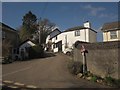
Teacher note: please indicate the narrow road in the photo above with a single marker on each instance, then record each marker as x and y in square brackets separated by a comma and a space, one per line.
[49, 72]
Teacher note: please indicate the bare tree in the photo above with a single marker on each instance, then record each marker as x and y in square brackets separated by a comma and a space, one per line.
[44, 28]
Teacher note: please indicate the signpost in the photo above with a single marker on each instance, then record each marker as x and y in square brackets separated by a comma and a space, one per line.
[83, 52]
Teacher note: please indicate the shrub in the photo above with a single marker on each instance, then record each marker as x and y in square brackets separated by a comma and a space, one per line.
[75, 67]
[36, 52]
[94, 78]
[109, 80]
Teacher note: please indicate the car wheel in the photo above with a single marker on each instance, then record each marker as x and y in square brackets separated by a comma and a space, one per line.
[68, 53]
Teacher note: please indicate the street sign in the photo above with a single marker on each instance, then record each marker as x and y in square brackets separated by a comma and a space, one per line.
[82, 49]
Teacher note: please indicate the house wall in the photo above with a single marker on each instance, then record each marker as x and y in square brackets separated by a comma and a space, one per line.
[26, 44]
[101, 58]
[119, 34]
[106, 36]
[92, 36]
[71, 39]
[47, 39]
[12, 36]
[86, 35]
[59, 38]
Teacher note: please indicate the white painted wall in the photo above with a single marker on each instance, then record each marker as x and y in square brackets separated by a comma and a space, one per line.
[23, 46]
[106, 36]
[86, 35]
[26, 44]
[47, 39]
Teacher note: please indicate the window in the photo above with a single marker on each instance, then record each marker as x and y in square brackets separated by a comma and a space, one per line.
[113, 34]
[77, 33]
[56, 37]
[55, 45]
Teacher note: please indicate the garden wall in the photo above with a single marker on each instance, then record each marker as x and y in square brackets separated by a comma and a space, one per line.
[102, 58]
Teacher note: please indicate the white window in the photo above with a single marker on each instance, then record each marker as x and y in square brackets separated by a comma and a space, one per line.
[77, 33]
[113, 34]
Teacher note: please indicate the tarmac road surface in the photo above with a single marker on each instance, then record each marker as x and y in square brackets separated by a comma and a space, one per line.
[49, 72]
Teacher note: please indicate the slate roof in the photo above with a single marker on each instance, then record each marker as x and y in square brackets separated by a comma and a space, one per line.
[55, 30]
[25, 42]
[111, 26]
[6, 27]
[78, 28]
[75, 28]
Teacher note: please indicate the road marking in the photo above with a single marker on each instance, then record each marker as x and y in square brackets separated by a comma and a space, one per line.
[16, 71]
[31, 86]
[12, 86]
[6, 81]
[19, 84]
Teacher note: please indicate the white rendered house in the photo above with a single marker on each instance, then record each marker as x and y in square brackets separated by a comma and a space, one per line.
[23, 48]
[66, 39]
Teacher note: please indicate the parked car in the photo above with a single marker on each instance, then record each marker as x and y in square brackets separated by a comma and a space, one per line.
[68, 51]
[6, 60]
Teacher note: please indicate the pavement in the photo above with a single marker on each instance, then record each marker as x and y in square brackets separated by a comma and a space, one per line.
[48, 72]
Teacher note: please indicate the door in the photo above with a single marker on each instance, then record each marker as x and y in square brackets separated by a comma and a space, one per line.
[59, 44]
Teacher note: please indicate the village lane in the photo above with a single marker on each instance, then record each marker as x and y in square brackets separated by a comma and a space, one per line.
[49, 72]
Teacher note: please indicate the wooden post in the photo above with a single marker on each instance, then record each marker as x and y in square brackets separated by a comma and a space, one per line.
[83, 51]
[83, 54]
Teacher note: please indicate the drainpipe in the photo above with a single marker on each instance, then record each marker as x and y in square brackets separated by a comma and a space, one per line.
[85, 35]
[107, 36]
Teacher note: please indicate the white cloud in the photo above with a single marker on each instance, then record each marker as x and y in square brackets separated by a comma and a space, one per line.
[111, 16]
[103, 15]
[99, 12]
[94, 10]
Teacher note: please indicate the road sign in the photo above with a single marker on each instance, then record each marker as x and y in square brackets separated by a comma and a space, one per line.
[82, 49]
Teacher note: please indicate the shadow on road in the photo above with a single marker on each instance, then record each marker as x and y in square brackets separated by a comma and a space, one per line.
[49, 54]
[45, 55]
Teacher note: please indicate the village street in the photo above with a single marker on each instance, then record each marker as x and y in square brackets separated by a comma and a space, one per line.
[49, 72]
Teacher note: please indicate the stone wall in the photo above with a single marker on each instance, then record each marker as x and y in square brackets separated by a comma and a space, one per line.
[102, 58]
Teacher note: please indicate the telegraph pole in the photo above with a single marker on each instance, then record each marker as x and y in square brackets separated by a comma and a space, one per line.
[83, 51]
[39, 32]
[39, 35]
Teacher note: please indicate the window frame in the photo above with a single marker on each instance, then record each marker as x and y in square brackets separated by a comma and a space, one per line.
[77, 33]
[113, 34]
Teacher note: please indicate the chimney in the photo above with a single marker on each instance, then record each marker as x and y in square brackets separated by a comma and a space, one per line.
[87, 24]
